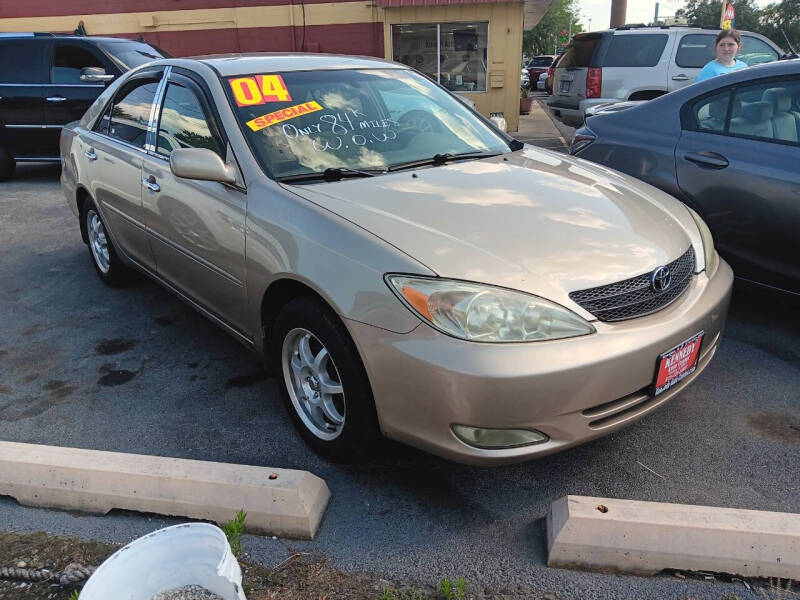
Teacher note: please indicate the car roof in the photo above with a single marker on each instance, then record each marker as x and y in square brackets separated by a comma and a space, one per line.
[228, 65]
[65, 36]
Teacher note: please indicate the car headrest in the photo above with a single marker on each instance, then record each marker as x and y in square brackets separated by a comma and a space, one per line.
[780, 98]
[718, 109]
[757, 112]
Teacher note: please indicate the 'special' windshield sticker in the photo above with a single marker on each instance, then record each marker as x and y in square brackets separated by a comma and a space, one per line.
[284, 114]
[259, 89]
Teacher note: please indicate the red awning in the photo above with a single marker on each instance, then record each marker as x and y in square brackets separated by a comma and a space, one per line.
[392, 3]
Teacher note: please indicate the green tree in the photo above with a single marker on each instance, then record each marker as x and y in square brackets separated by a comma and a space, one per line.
[541, 39]
[706, 13]
[784, 16]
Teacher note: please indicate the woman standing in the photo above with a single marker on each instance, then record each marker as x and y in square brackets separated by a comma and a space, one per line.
[727, 44]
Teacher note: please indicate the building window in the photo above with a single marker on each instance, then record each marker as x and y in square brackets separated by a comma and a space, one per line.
[453, 54]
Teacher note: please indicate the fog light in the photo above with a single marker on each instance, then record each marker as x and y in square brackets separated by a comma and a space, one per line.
[495, 439]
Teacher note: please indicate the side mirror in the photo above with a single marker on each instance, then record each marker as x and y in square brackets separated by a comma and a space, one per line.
[200, 163]
[95, 75]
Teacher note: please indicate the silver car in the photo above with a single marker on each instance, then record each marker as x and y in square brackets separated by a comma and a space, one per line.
[404, 266]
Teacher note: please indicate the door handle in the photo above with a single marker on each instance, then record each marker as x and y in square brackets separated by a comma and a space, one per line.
[680, 77]
[151, 184]
[707, 159]
[90, 154]
[56, 99]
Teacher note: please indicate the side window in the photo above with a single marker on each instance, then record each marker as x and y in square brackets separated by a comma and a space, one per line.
[764, 111]
[695, 50]
[27, 65]
[101, 126]
[635, 50]
[183, 123]
[131, 114]
[754, 51]
[710, 113]
[68, 60]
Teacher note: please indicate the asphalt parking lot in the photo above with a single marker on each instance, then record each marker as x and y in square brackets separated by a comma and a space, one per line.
[136, 370]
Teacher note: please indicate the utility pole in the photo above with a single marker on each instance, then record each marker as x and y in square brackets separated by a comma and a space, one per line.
[619, 10]
[722, 12]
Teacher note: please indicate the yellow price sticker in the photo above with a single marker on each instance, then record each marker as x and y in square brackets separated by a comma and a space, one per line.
[259, 89]
[284, 114]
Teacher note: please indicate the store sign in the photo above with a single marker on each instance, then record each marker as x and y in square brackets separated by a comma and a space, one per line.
[729, 18]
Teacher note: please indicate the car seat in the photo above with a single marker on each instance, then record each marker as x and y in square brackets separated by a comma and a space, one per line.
[785, 123]
[755, 120]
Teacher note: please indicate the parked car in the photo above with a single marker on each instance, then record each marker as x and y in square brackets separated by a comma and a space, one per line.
[729, 147]
[48, 80]
[538, 65]
[541, 85]
[394, 266]
[638, 63]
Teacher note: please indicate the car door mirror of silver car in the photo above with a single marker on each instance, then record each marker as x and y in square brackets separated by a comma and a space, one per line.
[95, 75]
[200, 163]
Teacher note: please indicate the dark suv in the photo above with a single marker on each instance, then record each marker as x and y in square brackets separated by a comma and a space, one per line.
[47, 81]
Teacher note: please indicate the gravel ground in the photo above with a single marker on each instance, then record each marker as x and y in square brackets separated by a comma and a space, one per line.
[188, 592]
[135, 370]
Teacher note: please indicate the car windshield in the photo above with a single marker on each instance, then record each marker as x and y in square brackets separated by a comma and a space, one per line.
[304, 122]
[131, 54]
[541, 61]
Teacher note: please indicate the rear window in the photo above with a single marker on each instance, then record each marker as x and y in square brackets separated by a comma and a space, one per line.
[27, 65]
[695, 50]
[129, 54]
[580, 51]
[635, 50]
[541, 61]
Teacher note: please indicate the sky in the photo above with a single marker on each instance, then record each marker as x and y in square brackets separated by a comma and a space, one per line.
[639, 11]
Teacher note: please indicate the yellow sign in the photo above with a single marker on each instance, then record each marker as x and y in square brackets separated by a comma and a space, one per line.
[284, 114]
[260, 89]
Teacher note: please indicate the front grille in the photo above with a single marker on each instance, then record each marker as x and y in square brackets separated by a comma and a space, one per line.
[635, 297]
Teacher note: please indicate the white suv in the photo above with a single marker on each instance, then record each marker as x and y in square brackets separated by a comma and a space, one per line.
[638, 63]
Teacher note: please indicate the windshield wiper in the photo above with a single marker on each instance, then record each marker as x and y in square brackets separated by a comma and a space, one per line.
[440, 159]
[331, 174]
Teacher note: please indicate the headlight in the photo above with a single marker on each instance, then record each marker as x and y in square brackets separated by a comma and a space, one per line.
[708, 243]
[482, 313]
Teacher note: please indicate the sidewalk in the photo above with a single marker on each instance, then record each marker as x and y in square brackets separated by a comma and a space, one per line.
[538, 129]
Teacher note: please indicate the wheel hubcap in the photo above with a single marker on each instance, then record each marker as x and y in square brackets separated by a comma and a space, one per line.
[98, 241]
[314, 385]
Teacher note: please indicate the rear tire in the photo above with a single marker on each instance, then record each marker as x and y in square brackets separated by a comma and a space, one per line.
[322, 380]
[7, 165]
[104, 256]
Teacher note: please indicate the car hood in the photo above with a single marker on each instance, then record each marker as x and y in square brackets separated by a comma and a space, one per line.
[532, 220]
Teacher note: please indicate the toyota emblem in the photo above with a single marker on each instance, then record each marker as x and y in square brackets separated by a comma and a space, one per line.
[661, 279]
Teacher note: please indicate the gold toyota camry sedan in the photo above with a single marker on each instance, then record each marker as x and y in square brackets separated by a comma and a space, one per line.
[405, 267]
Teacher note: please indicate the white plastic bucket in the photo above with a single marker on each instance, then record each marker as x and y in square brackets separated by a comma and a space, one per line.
[190, 554]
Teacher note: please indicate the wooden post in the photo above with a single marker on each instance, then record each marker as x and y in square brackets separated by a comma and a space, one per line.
[722, 13]
[619, 9]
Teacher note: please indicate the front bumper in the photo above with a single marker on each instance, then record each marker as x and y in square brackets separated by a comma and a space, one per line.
[573, 390]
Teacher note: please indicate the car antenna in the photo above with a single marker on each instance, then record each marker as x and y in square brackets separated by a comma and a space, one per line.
[788, 43]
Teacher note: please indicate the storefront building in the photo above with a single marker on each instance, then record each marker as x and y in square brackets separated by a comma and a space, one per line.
[473, 48]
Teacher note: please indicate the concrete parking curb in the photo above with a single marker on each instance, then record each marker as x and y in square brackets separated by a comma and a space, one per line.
[277, 501]
[646, 537]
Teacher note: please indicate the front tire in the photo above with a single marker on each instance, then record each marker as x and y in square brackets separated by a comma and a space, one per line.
[322, 380]
[101, 249]
[7, 165]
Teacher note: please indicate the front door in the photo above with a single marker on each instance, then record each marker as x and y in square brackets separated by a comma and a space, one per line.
[67, 98]
[197, 227]
[738, 165]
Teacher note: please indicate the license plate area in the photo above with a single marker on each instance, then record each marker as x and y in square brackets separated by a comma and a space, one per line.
[674, 365]
[563, 86]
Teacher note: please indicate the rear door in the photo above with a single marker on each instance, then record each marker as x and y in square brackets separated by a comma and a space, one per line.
[569, 75]
[737, 161]
[692, 52]
[23, 73]
[115, 148]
